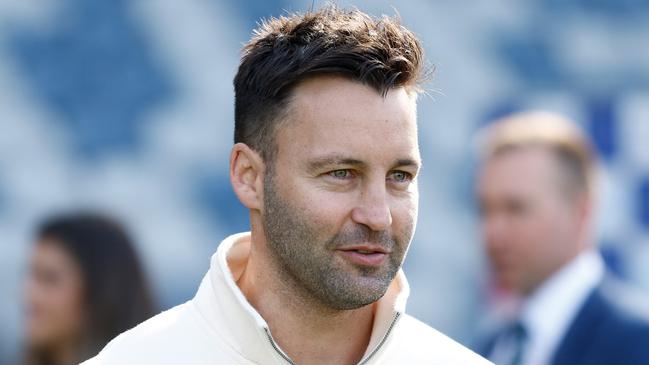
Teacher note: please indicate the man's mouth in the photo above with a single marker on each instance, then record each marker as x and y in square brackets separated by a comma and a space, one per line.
[365, 255]
[366, 248]
[365, 251]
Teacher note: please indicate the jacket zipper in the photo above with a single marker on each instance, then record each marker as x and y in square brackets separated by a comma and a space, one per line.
[277, 349]
[363, 362]
[385, 338]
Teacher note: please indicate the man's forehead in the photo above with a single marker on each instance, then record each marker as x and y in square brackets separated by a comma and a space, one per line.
[521, 170]
[318, 90]
[337, 119]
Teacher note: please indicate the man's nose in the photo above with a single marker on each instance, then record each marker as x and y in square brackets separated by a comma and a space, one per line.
[494, 227]
[373, 209]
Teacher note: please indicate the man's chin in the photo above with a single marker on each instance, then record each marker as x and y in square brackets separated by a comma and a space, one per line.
[372, 287]
[504, 284]
[355, 302]
[358, 291]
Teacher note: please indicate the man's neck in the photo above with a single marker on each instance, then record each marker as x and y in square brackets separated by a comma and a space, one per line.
[307, 331]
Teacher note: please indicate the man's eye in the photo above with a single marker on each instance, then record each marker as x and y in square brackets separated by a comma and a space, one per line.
[401, 176]
[340, 174]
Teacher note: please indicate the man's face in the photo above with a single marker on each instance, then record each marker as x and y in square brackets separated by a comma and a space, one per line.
[530, 227]
[340, 204]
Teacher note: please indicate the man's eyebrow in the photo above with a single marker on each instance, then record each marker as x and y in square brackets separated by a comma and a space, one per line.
[328, 161]
[408, 162]
[323, 162]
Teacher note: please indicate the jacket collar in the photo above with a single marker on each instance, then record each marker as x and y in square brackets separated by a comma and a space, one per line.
[227, 312]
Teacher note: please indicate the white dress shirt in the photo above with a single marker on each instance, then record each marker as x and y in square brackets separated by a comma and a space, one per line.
[549, 311]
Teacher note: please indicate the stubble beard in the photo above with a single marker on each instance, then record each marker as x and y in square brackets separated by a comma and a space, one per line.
[308, 261]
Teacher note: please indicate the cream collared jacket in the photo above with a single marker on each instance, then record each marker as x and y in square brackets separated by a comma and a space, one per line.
[219, 327]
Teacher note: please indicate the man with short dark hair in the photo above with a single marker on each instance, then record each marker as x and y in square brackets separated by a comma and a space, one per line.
[326, 160]
[536, 193]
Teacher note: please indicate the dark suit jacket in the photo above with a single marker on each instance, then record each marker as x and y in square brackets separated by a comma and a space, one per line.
[606, 331]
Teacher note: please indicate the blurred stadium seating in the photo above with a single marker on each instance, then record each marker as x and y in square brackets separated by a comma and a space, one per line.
[127, 106]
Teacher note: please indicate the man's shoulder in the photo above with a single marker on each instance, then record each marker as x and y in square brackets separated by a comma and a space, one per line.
[627, 315]
[612, 325]
[622, 309]
[417, 341]
[157, 328]
[161, 337]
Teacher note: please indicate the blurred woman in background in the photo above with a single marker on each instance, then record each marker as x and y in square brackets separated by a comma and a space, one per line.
[85, 286]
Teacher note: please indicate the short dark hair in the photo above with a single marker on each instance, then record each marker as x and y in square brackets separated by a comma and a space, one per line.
[378, 52]
[116, 293]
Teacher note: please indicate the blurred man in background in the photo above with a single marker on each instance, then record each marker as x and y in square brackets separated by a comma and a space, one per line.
[325, 159]
[536, 192]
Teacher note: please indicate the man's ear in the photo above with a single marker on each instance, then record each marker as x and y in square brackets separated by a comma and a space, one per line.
[585, 205]
[584, 212]
[246, 175]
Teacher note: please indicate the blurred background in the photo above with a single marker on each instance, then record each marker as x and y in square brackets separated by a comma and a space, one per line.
[127, 107]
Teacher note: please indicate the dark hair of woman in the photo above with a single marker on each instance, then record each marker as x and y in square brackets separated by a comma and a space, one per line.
[114, 294]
